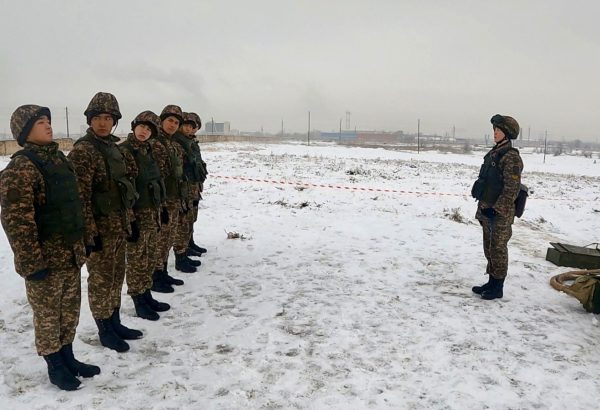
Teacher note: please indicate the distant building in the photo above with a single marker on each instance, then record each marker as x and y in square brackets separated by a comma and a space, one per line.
[221, 128]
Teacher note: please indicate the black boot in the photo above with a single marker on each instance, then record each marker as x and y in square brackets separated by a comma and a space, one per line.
[170, 279]
[193, 252]
[155, 304]
[123, 332]
[182, 264]
[142, 309]
[75, 366]
[158, 283]
[108, 337]
[495, 291]
[195, 247]
[59, 373]
[192, 262]
[480, 289]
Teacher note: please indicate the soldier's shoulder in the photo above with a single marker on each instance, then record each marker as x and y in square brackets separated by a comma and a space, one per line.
[512, 155]
[18, 170]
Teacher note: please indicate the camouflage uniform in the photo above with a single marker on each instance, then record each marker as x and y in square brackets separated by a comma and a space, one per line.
[55, 299]
[500, 183]
[141, 255]
[110, 222]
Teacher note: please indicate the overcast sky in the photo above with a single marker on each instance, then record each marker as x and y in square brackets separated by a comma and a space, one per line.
[254, 63]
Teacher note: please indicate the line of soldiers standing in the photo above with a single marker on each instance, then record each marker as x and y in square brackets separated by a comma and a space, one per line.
[117, 208]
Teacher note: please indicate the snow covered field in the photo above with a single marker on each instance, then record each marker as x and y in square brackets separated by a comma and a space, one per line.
[341, 299]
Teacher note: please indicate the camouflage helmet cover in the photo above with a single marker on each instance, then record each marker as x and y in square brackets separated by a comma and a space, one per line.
[103, 103]
[149, 118]
[508, 125]
[22, 120]
[172, 111]
[193, 118]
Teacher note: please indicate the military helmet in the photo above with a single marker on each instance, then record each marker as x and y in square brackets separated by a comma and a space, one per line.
[508, 125]
[22, 120]
[150, 119]
[103, 103]
[192, 117]
[172, 111]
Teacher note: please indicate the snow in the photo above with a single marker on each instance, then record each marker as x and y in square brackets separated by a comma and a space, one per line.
[343, 299]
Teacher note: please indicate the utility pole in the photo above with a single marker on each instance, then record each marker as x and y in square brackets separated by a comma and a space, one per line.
[545, 144]
[340, 130]
[308, 134]
[282, 128]
[418, 135]
[347, 120]
[453, 132]
[212, 122]
[67, 116]
[528, 133]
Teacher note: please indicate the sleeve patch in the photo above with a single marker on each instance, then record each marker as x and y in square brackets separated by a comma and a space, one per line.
[13, 195]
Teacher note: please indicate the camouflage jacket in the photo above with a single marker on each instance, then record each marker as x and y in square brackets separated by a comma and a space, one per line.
[171, 147]
[90, 168]
[511, 167]
[22, 189]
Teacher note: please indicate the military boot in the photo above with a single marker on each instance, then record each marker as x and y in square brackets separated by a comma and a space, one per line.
[59, 373]
[182, 264]
[480, 289]
[142, 309]
[192, 252]
[108, 337]
[192, 262]
[170, 279]
[159, 284]
[495, 291]
[123, 332]
[155, 304]
[195, 247]
[75, 366]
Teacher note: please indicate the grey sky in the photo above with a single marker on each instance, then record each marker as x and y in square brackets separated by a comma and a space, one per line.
[257, 62]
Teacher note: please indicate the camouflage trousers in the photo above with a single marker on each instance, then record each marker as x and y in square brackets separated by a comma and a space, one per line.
[141, 255]
[183, 233]
[193, 219]
[165, 237]
[496, 235]
[56, 302]
[107, 272]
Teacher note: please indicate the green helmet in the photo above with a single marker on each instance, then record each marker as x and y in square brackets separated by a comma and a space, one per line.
[508, 125]
[192, 118]
[103, 103]
[22, 120]
[172, 111]
[148, 118]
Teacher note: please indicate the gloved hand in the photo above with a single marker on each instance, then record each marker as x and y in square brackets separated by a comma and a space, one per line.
[195, 202]
[489, 213]
[135, 232]
[164, 216]
[96, 247]
[39, 275]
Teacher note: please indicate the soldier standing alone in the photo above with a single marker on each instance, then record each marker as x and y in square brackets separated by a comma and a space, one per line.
[496, 190]
[108, 195]
[42, 216]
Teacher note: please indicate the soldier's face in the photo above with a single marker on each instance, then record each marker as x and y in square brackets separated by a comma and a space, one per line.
[170, 125]
[102, 124]
[142, 132]
[41, 132]
[498, 135]
[188, 130]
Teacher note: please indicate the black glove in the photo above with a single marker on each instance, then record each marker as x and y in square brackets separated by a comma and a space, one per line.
[196, 202]
[489, 213]
[164, 216]
[96, 247]
[135, 233]
[39, 275]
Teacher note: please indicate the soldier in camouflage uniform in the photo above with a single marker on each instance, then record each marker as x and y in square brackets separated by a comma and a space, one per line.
[195, 170]
[43, 220]
[171, 117]
[108, 195]
[141, 255]
[496, 189]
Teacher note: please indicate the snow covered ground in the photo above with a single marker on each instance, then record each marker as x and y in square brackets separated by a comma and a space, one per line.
[343, 299]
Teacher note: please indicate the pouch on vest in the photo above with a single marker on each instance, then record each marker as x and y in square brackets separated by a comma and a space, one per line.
[521, 200]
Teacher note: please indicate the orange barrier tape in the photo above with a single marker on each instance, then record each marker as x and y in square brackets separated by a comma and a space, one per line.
[393, 191]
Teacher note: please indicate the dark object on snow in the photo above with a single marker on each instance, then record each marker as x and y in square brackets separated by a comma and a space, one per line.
[563, 254]
[521, 200]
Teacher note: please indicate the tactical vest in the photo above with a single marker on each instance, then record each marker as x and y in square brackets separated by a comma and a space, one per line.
[61, 213]
[193, 168]
[148, 183]
[490, 182]
[174, 180]
[116, 193]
